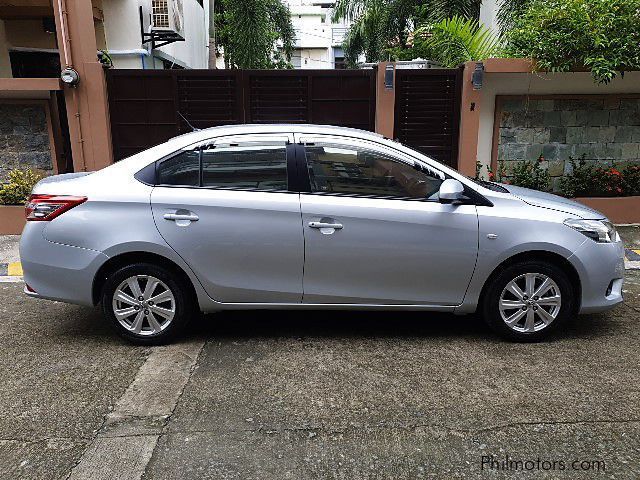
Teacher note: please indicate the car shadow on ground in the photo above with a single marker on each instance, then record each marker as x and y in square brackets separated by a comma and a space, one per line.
[352, 324]
[264, 324]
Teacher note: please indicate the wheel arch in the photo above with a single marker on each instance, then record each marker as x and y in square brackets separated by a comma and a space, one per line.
[537, 255]
[128, 258]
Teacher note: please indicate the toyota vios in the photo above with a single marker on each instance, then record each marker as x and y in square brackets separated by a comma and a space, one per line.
[311, 217]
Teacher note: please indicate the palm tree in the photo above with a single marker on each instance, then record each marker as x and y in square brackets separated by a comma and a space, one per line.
[509, 10]
[379, 25]
[456, 40]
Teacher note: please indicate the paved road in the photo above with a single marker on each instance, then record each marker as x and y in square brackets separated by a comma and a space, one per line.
[298, 395]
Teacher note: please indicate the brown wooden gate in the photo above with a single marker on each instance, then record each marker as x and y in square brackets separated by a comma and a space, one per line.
[427, 111]
[146, 105]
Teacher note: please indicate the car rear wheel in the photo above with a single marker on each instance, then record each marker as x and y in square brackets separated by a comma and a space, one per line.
[528, 301]
[146, 304]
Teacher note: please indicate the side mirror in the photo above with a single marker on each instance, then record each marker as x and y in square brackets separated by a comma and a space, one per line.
[451, 191]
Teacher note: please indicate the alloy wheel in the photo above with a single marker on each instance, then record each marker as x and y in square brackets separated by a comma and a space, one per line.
[530, 302]
[144, 305]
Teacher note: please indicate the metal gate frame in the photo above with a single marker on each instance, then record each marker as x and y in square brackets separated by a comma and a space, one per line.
[427, 116]
[144, 104]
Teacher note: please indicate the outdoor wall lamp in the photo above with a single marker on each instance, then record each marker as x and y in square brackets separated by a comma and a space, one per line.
[70, 77]
[478, 76]
[388, 76]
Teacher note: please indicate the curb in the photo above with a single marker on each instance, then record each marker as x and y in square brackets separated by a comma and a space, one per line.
[13, 269]
[631, 259]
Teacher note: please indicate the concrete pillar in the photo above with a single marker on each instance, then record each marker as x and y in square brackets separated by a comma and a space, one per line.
[469, 123]
[87, 106]
[5, 62]
[385, 102]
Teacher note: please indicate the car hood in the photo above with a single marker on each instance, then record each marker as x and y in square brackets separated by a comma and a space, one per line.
[553, 202]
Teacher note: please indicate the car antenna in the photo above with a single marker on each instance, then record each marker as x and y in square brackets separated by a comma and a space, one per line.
[193, 129]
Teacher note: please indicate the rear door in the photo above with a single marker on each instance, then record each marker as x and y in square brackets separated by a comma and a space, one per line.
[375, 232]
[227, 210]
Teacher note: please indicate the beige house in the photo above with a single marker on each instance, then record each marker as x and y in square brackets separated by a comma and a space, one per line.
[57, 128]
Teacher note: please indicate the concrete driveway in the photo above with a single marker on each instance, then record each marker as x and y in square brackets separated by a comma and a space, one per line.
[298, 395]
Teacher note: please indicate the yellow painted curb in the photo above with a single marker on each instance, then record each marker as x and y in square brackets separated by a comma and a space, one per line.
[14, 269]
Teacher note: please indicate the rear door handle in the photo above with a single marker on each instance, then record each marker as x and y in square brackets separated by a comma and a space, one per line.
[192, 217]
[335, 226]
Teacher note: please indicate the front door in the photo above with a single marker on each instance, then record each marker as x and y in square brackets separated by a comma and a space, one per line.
[375, 232]
[226, 209]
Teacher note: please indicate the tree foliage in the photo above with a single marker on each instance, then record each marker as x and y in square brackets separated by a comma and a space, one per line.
[456, 40]
[509, 11]
[381, 29]
[601, 35]
[248, 31]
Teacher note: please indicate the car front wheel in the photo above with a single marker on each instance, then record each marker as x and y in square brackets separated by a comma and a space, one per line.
[146, 304]
[528, 301]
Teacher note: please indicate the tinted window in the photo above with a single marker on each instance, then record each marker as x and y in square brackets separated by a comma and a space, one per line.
[357, 170]
[183, 169]
[256, 167]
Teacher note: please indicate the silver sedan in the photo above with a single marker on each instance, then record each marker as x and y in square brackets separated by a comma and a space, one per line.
[311, 217]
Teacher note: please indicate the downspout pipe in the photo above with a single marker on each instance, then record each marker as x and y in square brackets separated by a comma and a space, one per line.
[62, 13]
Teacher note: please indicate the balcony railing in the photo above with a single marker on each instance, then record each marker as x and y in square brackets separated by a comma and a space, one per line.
[338, 34]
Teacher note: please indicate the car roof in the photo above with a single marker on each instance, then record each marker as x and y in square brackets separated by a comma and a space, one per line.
[142, 159]
[254, 128]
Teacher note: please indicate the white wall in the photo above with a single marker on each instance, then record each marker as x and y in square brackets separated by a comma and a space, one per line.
[574, 83]
[194, 51]
[314, 34]
[488, 14]
[313, 58]
[122, 30]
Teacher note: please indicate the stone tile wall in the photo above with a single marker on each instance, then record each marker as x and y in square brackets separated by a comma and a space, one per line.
[24, 138]
[604, 130]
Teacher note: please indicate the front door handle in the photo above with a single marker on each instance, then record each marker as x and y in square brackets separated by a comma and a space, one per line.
[192, 217]
[335, 226]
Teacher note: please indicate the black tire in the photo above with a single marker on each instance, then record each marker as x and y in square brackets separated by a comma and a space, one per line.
[183, 303]
[491, 301]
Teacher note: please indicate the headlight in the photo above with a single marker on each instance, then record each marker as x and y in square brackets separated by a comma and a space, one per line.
[597, 230]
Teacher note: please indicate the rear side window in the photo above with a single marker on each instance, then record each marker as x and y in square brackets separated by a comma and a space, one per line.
[182, 169]
[252, 167]
[248, 166]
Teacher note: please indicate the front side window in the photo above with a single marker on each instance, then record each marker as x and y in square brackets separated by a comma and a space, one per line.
[248, 166]
[345, 169]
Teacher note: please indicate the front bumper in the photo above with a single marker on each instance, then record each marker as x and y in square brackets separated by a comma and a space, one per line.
[601, 270]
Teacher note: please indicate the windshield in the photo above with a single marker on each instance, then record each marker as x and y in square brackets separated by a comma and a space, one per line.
[489, 185]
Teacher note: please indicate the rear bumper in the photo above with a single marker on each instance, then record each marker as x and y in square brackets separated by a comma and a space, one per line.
[57, 271]
[601, 270]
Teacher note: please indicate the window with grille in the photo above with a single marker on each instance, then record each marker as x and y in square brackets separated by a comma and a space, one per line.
[160, 12]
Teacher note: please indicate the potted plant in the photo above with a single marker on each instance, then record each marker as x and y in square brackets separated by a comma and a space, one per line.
[14, 193]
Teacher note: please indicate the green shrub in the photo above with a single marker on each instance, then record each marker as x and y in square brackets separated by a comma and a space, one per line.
[601, 35]
[590, 180]
[631, 180]
[18, 187]
[530, 175]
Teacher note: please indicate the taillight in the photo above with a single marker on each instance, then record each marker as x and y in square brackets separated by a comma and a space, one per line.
[43, 208]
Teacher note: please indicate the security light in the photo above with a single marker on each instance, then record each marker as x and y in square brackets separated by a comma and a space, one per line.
[478, 76]
[388, 76]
